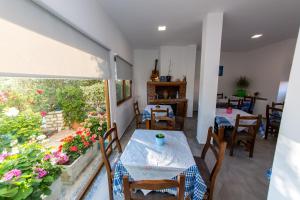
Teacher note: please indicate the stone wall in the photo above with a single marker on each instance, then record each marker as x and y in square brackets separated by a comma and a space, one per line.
[54, 121]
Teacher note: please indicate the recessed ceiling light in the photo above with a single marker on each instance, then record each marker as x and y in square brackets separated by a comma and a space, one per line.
[256, 36]
[162, 28]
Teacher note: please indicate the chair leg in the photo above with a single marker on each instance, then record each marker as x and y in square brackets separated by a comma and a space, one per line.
[267, 131]
[251, 148]
[110, 188]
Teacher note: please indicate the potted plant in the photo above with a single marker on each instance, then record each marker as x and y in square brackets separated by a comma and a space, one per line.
[242, 84]
[81, 150]
[71, 100]
[160, 139]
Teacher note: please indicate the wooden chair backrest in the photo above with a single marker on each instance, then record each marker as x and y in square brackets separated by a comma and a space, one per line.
[136, 108]
[130, 186]
[251, 128]
[278, 104]
[239, 103]
[220, 95]
[113, 134]
[170, 122]
[272, 112]
[252, 102]
[218, 148]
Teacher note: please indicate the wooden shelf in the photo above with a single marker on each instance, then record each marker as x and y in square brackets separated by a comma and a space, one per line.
[175, 83]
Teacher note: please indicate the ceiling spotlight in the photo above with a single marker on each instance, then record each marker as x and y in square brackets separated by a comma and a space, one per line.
[256, 36]
[162, 28]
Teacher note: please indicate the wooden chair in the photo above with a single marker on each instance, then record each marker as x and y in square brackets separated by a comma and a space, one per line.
[235, 103]
[218, 148]
[248, 133]
[137, 113]
[162, 121]
[111, 134]
[220, 95]
[247, 104]
[278, 105]
[130, 186]
[273, 119]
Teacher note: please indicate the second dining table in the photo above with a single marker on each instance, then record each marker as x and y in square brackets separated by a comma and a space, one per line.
[143, 159]
[146, 115]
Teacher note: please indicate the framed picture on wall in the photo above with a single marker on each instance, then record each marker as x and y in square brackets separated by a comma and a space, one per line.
[221, 70]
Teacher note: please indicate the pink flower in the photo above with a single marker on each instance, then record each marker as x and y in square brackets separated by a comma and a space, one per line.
[43, 113]
[3, 156]
[47, 157]
[11, 174]
[93, 138]
[41, 172]
[40, 91]
[60, 158]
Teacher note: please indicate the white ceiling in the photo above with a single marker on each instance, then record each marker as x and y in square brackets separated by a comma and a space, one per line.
[138, 20]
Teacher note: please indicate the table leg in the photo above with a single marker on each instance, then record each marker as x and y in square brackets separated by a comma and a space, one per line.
[148, 124]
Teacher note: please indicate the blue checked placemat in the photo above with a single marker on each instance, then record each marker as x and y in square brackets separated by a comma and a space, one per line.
[195, 187]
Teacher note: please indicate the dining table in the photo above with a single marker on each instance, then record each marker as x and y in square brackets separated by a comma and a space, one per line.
[144, 159]
[146, 115]
[227, 120]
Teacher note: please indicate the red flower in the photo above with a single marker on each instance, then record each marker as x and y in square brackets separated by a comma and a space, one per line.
[68, 139]
[73, 148]
[79, 132]
[40, 91]
[93, 138]
[88, 133]
[43, 113]
[60, 148]
[86, 144]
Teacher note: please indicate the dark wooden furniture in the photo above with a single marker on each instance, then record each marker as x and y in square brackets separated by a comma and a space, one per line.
[218, 148]
[112, 136]
[138, 120]
[273, 120]
[248, 135]
[235, 103]
[220, 95]
[278, 105]
[176, 95]
[162, 122]
[130, 186]
[250, 106]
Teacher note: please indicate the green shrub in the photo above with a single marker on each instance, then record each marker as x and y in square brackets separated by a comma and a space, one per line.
[71, 100]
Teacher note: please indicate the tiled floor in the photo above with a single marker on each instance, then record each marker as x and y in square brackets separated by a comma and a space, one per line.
[240, 178]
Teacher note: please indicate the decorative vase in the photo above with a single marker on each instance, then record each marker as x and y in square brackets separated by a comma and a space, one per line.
[169, 78]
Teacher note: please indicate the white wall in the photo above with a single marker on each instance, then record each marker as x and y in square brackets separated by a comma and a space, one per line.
[266, 67]
[183, 60]
[143, 66]
[285, 179]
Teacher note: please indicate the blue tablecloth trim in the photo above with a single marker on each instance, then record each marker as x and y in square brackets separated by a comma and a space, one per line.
[195, 187]
[223, 122]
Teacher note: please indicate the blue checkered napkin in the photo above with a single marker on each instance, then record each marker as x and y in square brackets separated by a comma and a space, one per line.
[194, 184]
[223, 122]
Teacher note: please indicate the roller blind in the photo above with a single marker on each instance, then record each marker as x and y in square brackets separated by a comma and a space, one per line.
[124, 69]
[40, 44]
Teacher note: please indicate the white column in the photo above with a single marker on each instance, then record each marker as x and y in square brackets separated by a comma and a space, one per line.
[210, 60]
[285, 179]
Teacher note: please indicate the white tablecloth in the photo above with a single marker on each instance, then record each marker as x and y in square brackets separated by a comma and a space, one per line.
[221, 112]
[145, 160]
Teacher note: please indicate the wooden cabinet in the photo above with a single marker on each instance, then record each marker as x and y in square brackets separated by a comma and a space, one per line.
[171, 93]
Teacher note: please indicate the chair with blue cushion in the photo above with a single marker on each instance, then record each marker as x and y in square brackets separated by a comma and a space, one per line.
[273, 120]
[111, 136]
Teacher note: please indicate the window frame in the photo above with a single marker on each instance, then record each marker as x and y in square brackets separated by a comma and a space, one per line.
[124, 99]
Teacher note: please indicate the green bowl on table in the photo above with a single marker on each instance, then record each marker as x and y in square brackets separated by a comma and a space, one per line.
[160, 139]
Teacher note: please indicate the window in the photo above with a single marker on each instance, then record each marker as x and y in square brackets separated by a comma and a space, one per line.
[124, 90]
